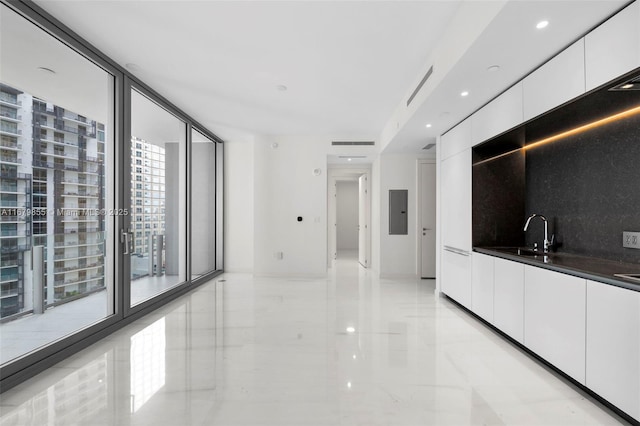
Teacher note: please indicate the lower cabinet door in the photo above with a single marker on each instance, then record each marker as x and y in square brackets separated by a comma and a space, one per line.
[613, 345]
[482, 286]
[554, 319]
[508, 300]
[456, 277]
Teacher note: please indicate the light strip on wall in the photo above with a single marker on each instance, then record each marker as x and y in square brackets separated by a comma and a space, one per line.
[592, 125]
[497, 156]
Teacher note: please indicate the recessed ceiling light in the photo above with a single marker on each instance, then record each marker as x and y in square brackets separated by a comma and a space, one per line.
[542, 24]
[493, 68]
[348, 159]
[627, 86]
[46, 70]
[132, 67]
[428, 125]
[465, 93]
[281, 88]
[351, 330]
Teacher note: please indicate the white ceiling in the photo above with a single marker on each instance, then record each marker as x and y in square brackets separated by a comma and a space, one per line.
[347, 64]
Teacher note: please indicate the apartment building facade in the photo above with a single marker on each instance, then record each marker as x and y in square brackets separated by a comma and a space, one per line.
[53, 195]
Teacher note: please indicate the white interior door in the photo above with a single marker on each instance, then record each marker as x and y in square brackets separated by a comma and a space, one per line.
[332, 222]
[428, 219]
[364, 239]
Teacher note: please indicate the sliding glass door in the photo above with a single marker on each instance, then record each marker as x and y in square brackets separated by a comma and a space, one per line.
[158, 197]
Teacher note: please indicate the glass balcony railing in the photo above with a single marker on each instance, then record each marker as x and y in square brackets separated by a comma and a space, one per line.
[10, 262]
[14, 249]
[10, 99]
[75, 117]
[9, 277]
[10, 159]
[10, 114]
[10, 144]
[59, 283]
[9, 292]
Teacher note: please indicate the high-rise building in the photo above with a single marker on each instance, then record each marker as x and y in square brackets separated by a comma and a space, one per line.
[147, 200]
[53, 195]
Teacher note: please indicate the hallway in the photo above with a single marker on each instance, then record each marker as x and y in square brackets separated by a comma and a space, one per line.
[350, 349]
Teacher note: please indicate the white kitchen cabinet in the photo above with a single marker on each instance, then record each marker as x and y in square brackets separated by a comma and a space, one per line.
[482, 286]
[455, 197]
[456, 277]
[456, 140]
[455, 214]
[508, 299]
[559, 80]
[499, 115]
[613, 48]
[554, 319]
[613, 345]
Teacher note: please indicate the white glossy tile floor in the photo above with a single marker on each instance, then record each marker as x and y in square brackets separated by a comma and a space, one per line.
[346, 350]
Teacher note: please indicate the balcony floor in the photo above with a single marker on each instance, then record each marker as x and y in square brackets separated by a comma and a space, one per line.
[30, 332]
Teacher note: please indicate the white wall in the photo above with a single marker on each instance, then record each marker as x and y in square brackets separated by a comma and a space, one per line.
[347, 215]
[238, 205]
[375, 215]
[285, 188]
[398, 253]
[267, 188]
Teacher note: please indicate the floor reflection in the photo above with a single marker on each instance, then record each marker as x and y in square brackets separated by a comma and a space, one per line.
[147, 363]
[348, 349]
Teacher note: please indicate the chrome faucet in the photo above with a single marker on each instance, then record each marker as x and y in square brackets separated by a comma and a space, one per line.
[546, 244]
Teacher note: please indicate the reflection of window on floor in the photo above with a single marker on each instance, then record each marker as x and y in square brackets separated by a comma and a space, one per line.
[83, 393]
[147, 363]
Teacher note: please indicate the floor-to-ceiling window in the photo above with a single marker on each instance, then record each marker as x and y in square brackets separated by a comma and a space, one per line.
[94, 195]
[56, 187]
[158, 199]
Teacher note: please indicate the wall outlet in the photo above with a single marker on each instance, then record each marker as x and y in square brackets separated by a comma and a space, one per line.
[631, 240]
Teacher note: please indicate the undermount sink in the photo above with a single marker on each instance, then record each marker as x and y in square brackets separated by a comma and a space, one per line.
[530, 252]
[525, 251]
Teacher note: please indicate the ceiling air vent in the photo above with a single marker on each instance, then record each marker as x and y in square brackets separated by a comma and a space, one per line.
[422, 82]
[633, 84]
[429, 146]
[352, 143]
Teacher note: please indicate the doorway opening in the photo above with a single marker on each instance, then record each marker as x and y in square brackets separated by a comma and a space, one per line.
[347, 215]
[349, 205]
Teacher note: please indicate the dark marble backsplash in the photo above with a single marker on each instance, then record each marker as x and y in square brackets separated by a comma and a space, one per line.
[588, 186]
[498, 201]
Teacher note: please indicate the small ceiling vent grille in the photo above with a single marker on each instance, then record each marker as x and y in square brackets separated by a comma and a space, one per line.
[429, 146]
[422, 82]
[352, 143]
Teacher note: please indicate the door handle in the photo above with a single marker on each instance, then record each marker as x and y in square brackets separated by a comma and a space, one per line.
[125, 238]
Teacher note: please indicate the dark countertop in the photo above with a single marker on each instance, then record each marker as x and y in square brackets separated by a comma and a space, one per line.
[591, 268]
